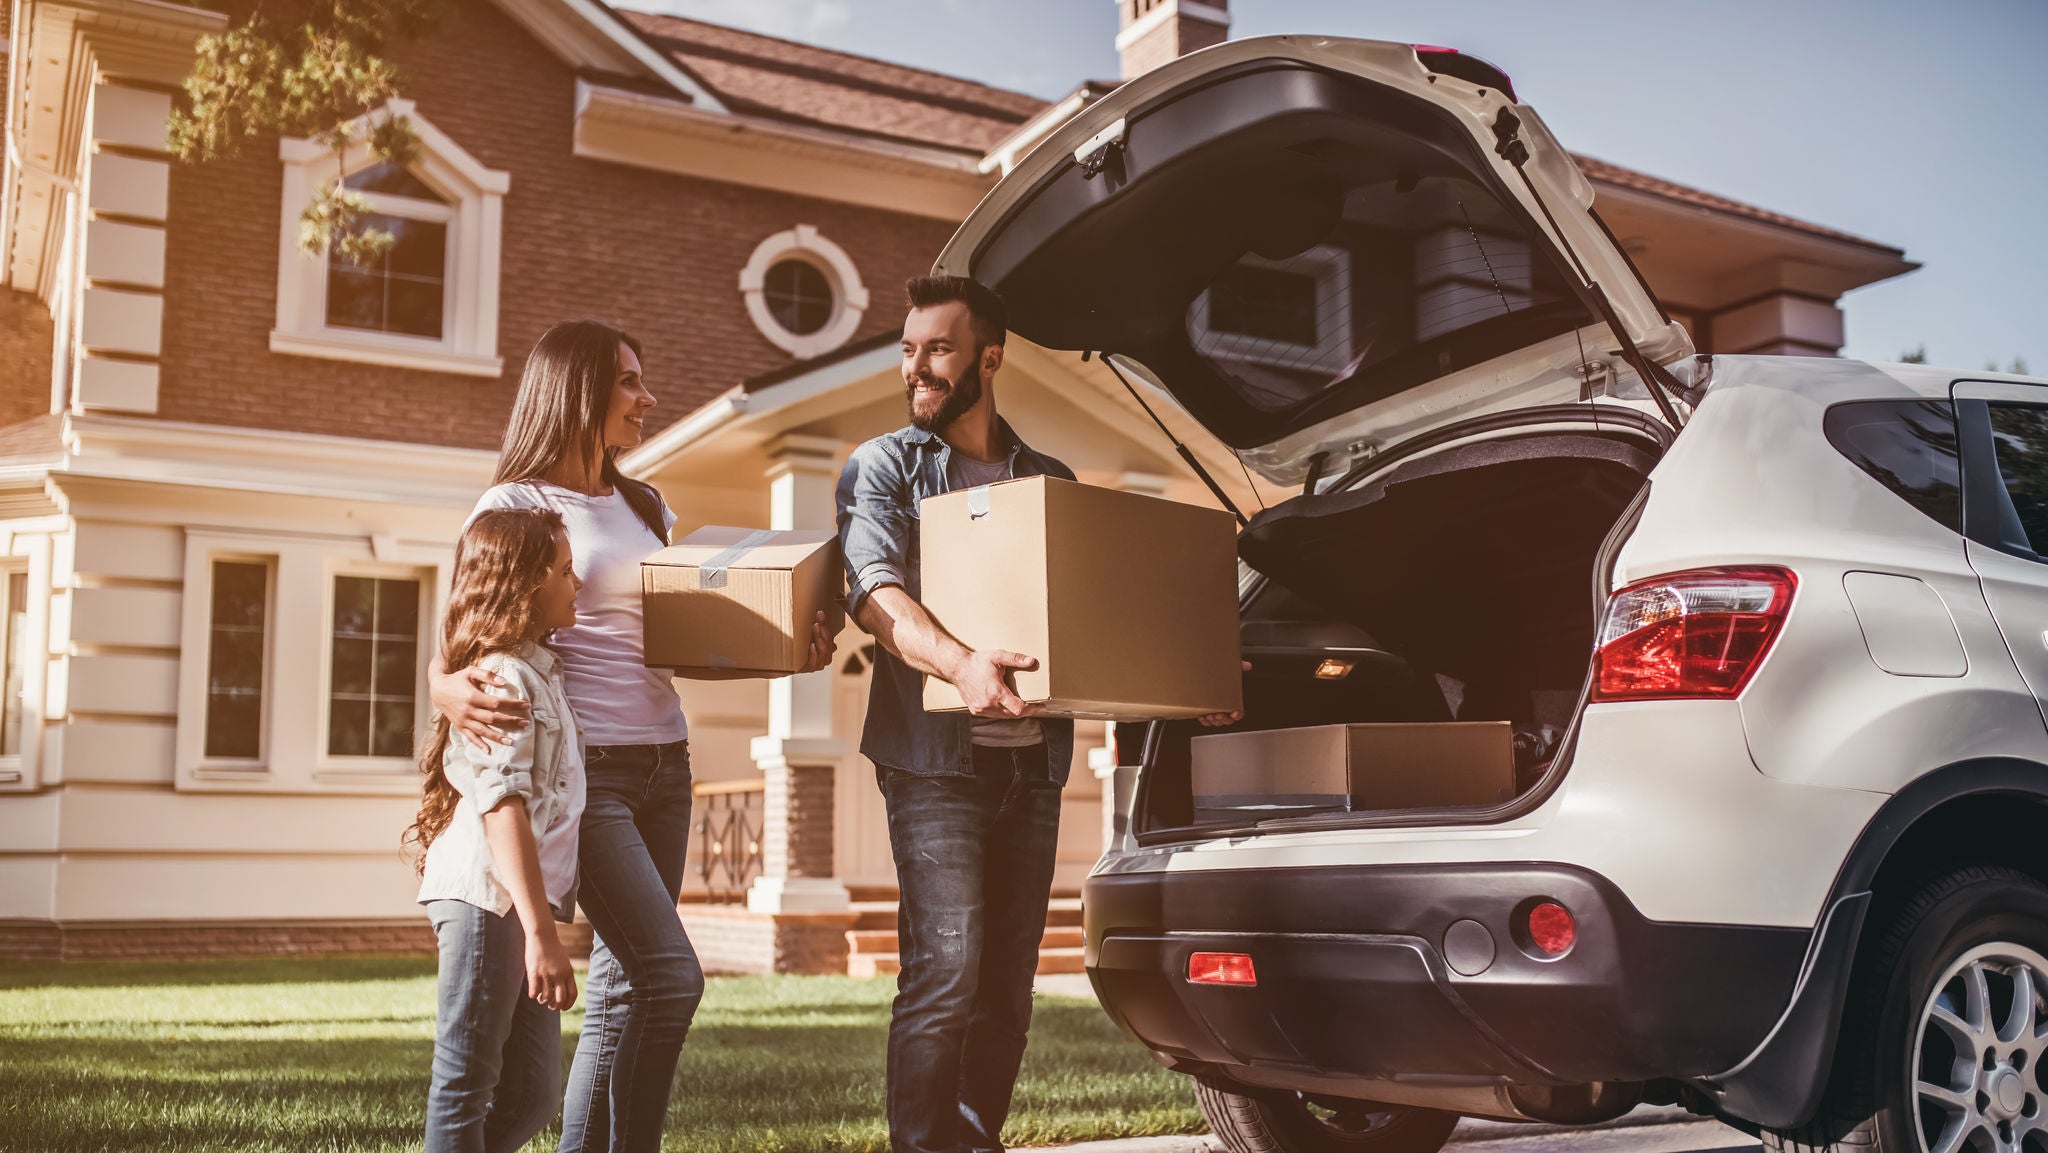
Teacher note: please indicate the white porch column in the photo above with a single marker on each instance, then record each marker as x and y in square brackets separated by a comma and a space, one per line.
[800, 752]
[1118, 781]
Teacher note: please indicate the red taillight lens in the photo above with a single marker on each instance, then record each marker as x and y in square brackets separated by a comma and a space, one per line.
[1551, 928]
[1221, 969]
[1693, 634]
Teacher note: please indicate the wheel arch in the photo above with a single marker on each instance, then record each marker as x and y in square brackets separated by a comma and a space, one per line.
[1991, 810]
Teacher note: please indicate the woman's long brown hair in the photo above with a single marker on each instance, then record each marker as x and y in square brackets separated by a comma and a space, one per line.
[565, 393]
[502, 558]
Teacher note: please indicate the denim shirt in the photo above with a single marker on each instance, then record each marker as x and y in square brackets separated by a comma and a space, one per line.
[879, 492]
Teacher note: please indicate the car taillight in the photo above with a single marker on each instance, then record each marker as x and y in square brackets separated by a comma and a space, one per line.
[1221, 969]
[1699, 633]
[1551, 928]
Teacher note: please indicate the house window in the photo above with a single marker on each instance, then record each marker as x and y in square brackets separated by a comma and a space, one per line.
[234, 660]
[403, 291]
[1280, 330]
[431, 301]
[16, 652]
[803, 292]
[373, 669]
[1265, 304]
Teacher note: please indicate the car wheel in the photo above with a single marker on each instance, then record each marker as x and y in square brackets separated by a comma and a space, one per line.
[1313, 1123]
[1946, 1028]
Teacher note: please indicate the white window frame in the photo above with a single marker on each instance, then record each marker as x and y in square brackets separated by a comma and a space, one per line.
[849, 295]
[13, 766]
[474, 214]
[1331, 268]
[342, 767]
[231, 768]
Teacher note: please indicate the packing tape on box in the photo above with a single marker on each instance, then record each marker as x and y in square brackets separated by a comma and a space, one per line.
[977, 502]
[711, 574]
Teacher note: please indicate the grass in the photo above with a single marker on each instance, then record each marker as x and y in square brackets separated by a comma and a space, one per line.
[333, 1055]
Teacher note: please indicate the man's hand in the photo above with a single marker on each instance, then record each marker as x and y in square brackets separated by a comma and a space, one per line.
[823, 647]
[473, 711]
[983, 678]
[1213, 720]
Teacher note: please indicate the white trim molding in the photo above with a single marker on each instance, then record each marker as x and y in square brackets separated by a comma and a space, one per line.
[849, 295]
[473, 211]
[1165, 10]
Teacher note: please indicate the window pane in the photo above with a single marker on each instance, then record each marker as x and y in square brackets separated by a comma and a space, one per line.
[393, 180]
[394, 729]
[1909, 446]
[398, 608]
[355, 298]
[798, 296]
[415, 308]
[348, 728]
[402, 292]
[236, 649]
[421, 248]
[2019, 437]
[234, 726]
[352, 656]
[395, 668]
[354, 605]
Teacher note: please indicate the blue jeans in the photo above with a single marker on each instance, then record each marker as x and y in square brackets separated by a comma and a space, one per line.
[497, 1076]
[644, 982]
[974, 861]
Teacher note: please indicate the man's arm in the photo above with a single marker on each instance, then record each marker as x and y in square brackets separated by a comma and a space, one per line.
[904, 627]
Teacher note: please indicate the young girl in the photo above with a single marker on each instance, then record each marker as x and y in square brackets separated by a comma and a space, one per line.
[498, 827]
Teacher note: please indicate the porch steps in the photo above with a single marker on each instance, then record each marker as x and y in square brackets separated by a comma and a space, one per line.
[871, 943]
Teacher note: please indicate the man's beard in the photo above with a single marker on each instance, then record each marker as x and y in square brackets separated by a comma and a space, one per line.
[957, 397]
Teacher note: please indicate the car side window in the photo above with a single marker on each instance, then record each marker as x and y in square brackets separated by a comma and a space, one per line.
[1910, 447]
[2019, 443]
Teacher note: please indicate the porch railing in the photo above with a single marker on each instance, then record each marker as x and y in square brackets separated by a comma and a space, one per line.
[729, 816]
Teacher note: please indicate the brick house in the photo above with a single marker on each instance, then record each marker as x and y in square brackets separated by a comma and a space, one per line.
[231, 475]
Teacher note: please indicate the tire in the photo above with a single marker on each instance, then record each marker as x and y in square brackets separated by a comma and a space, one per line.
[1935, 1005]
[1297, 1123]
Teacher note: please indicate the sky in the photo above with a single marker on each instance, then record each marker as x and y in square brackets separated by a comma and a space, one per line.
[1917, 124]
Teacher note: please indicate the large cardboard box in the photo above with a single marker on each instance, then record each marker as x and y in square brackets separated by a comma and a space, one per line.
[1281, 772]
[740, 600]
[1129, 602]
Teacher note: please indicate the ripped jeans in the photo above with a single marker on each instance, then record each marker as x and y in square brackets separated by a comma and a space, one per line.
[974, 860]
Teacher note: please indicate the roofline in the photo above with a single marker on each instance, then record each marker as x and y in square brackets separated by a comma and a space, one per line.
[1762, 216]
[601, 16]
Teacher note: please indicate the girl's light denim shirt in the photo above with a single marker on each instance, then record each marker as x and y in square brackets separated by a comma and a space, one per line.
[543, 765]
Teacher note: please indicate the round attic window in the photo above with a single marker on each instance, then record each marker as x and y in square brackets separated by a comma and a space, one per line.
[803, 292]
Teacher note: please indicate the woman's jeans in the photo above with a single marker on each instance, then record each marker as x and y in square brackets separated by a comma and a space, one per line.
[974, 859]
[644, 981]
[497, 1077]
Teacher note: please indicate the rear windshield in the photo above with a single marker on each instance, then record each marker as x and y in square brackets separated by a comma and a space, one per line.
[1375, 258]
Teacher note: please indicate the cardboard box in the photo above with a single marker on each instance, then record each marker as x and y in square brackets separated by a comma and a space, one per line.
[1281, 772]
[740, 600]
[1129, 602]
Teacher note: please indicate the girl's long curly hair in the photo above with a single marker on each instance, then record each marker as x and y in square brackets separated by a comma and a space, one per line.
[502, 559]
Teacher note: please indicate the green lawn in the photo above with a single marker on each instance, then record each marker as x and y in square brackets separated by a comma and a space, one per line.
[333, 1055]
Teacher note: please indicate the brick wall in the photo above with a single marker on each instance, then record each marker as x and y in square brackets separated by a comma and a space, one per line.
[733, 939]
[188, 940]
[659, 255]
[26, 334]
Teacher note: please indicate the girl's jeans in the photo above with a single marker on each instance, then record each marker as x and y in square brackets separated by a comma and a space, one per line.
[497, 1077]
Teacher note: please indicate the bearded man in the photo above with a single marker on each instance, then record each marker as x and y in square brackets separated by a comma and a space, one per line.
[973, 801]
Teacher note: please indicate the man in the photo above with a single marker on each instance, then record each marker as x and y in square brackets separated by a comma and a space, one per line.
[973, 801]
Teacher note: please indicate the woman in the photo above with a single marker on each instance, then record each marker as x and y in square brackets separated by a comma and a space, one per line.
[581, 400]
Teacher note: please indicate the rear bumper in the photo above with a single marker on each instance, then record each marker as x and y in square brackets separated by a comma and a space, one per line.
[1357, 983]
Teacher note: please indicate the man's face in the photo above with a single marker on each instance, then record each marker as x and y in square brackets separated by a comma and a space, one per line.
[943, 364]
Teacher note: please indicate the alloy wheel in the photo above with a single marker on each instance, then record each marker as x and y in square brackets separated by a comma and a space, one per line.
[1976, 1067]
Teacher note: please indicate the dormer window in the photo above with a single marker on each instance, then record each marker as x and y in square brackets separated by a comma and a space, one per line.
[431, 300]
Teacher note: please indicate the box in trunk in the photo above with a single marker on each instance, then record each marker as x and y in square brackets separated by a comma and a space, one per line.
[740, 600]
[1128, 602]
[1283, 772]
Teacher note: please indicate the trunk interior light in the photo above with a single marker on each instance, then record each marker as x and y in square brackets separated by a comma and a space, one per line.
[1551, 928]
[1690, 635]
[1334, 669]
[1221, 969]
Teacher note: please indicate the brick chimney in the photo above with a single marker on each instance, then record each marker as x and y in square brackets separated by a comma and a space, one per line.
[1156, 31]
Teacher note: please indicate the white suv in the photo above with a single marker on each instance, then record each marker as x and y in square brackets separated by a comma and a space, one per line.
[1772, 634]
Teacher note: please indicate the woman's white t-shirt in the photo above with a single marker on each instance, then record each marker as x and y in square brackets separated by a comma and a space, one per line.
[617, 699]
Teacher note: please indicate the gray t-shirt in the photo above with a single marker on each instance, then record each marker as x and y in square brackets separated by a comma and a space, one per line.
[963, 471]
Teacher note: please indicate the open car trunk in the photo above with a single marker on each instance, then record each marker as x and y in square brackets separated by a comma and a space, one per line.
[1462, 585]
